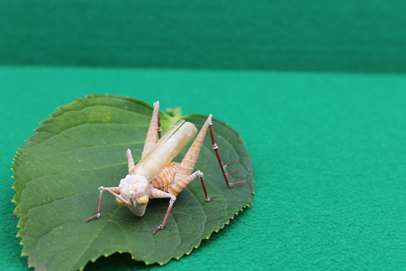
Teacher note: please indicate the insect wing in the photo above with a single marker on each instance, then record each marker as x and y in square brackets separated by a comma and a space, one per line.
[163, 139]
[166, 149]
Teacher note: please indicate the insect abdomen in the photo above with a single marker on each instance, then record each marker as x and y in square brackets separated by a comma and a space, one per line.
[166, 177]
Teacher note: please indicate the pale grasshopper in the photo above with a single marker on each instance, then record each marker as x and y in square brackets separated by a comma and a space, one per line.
[155, 175]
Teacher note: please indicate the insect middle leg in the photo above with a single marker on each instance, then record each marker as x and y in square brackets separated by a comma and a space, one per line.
[175, 189]
[156, 193]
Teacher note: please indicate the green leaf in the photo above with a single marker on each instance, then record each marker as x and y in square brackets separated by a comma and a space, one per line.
[81, 147]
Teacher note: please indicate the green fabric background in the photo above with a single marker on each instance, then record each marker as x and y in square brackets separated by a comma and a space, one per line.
[312, 35]
[325, 119]
[328, 150]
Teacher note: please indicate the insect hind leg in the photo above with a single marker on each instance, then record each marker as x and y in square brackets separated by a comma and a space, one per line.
[153, 130]
[222, 166]
[188, 163]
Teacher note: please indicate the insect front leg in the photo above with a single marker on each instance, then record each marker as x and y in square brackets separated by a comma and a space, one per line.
[113, 190]
[156, 193]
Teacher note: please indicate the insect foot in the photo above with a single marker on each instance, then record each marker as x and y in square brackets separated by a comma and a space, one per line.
[95, 216]
[160, 227]
[228, 174]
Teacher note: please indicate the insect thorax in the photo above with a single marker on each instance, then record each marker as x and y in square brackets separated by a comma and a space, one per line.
[133, 185]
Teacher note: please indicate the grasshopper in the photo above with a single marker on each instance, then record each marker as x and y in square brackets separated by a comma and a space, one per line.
[155, 175]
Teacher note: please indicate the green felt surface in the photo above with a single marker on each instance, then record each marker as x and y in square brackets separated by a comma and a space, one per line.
[328, 150]
[310, 35]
